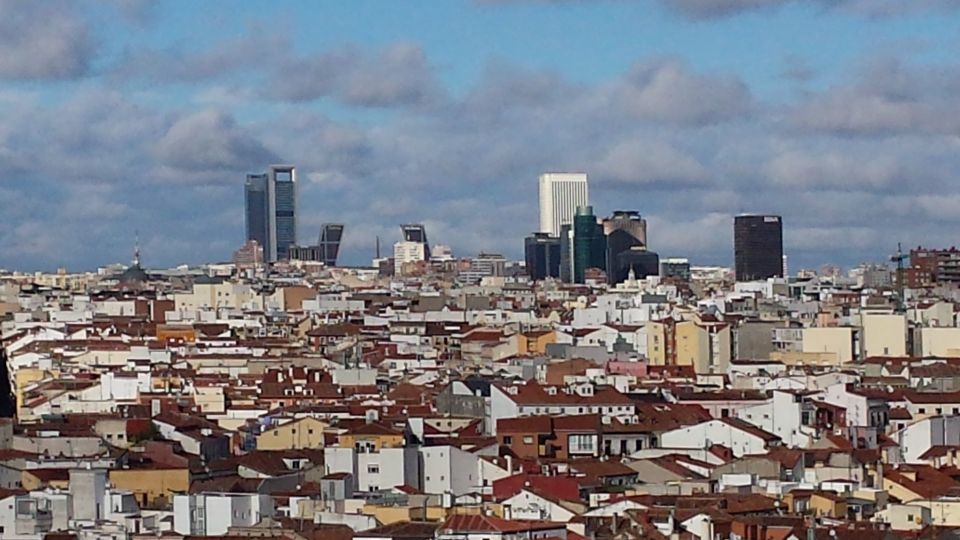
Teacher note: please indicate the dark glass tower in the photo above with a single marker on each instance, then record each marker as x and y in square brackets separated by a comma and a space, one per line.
[542, 254]
[257, 210]
[758, 247]
[330, 236]
[283, 185]
[589, 243]
[624, 230]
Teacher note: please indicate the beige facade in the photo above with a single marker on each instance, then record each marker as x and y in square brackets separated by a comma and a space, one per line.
[884, 334]
[693, 345]
[836, 343]
[295, 435]
[656, 343]
[940, 342]
[217, 295]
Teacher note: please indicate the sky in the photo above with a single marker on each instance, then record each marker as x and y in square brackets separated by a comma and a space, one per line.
[121, 118]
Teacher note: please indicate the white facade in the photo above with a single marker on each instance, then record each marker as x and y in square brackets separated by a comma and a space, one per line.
[560, 195]
[448, 469]
[783, 416]
[375, 471]
[713, 432]
[407, 252]
[209, 514]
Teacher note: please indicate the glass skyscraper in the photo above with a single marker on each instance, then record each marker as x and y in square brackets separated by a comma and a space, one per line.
[257, 210]
[758, 247]
[589, 243]
[271, 210]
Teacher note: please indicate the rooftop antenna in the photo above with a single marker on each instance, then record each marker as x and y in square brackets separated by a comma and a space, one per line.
[136, 249]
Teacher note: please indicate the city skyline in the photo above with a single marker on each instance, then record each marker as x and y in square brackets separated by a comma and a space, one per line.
[123, 115]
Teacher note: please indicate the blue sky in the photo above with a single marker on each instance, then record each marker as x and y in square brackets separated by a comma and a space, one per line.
[125, 115]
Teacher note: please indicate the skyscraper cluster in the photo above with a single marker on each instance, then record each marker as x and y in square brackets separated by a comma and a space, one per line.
[271, 221]
[572, 240]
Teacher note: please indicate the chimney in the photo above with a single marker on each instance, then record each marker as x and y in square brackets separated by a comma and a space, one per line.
[509, 464]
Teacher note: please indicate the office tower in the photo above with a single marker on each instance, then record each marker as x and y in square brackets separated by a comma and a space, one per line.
[257, 209]
[417, 233]
[589, 243]
[758, 247]
[283, 215]
[271, 210]
[636, 260]
[330, 236]
[560, 195]
[542, 255]
[407, 252]
[624, 230]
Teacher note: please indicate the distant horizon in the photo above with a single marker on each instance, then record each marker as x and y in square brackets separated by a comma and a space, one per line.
[126, 115]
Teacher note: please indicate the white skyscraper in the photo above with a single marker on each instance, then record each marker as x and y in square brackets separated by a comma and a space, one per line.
[560, 195]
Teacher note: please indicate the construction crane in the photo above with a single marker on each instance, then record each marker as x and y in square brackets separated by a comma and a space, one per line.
[898, 258]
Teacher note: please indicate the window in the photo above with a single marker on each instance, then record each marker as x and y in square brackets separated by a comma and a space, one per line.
[922, 410]
[373, 468]
[581, 443]
[527, 439]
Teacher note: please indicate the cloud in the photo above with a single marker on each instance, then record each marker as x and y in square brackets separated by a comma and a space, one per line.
[669, 91]
[209, 142]
[43, 40]
[713, 9]
[250, 52]
[650, 163]
[395, 75]
[886, 97]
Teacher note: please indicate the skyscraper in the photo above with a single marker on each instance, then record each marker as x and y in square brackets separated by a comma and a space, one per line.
[271, 210]
[283, 215]
[542, 255]
[560, 195]
[589, 243]
[624, 230]
[417, 233]
[257, 210]
[758, 247]
[330, 236]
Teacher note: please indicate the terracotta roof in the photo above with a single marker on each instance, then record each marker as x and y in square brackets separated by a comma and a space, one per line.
[480, 523]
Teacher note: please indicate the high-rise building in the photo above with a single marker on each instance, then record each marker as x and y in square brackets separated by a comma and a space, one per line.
[257, 206]
[283, 215]
[624, 230]
[589, 243]
[758, 247]
[330, 236]
[542, 255]
[271, 210]
[560, 195]
[416, 232]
